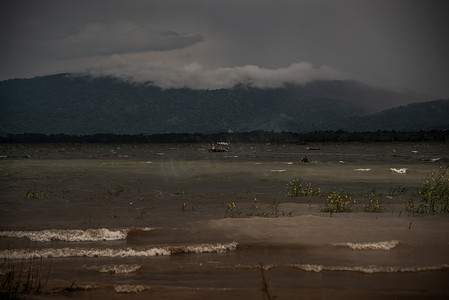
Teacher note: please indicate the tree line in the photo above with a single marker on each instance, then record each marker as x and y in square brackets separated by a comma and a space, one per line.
[258, 136]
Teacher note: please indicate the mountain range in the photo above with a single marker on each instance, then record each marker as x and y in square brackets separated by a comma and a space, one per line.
[73, 104]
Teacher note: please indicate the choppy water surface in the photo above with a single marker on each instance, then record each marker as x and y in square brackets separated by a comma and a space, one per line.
[154, 220]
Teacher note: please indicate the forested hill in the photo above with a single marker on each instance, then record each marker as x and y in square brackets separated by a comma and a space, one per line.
[83, 105]
[412, 117]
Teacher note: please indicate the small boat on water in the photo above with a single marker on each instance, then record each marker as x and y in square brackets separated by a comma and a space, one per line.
[220, 147]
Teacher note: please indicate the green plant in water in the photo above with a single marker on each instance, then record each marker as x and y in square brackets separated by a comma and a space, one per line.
[186, 205]
[398, 191]
[375, 202]
[338, 201]
[117, 191]
[255, 204]
[289, 214]
[433, 195]
[296, 188]
[34, 193]
[232, 210]
[275, 209]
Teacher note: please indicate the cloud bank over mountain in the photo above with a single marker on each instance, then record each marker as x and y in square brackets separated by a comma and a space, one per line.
[399, 44]
[194, 76]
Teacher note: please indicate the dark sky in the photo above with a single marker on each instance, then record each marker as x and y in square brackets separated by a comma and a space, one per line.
[401, 44]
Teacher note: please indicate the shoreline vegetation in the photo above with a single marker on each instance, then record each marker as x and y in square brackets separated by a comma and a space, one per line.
[259, 136]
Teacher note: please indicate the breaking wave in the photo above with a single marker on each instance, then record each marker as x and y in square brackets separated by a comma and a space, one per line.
[399, 171]
[128, 288]
[384, 245]
[72, 235]
[116, 269]
[205, 248]
[370, 269]
[108, 252]
[80, 252]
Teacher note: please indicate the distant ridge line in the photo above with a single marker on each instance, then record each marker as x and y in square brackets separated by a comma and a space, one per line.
[85, 106]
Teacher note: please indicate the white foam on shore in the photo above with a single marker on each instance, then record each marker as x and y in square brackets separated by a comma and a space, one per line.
[370, 269]
[363, 170]
[384, 245]
[120, 252]
[72, 235]
[129, 288]
[399, 171]
[81, 252]
[209, 248]
[116, 269]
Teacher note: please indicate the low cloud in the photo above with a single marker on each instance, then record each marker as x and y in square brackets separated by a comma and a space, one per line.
[194, 76]
[99, 39]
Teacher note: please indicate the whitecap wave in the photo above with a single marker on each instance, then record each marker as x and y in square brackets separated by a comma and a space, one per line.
[209, 248]
[370, 269]
[399, 171]
[81, 252]
[72, 235]
[384, 245]
[363, 170]
[110, 252]
[129, 288]
[278, 171]
[310, 268]
[116, 269]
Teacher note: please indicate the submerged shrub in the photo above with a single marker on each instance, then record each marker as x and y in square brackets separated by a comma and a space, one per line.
[34, 193]
[232, 210]
[338, 201]
[398, 191]
[375, 202]
[433, 195]
[116, 191]
[295, 188]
